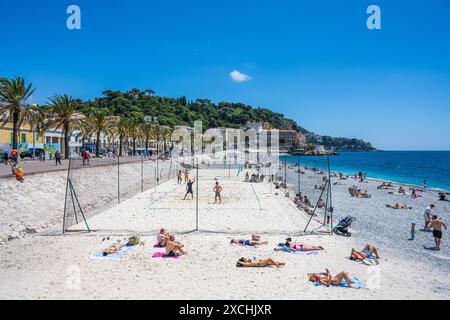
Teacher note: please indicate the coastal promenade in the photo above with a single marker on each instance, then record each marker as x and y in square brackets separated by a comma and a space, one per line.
[36, 166]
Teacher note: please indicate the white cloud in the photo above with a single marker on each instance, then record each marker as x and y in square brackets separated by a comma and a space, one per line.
[239, 77]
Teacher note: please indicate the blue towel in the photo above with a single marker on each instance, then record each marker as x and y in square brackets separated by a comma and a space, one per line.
[289, 250]
[112, 256]
[356, 283]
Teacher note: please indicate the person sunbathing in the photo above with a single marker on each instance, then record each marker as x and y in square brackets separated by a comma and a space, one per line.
[363, 194]
[385, 185]
[443, 197]
[320, 203]
[266, 262]
[162, 237]
[114, 248]
[369, 252]
[250, 243]
[174, 247]
[401, 190]
[398, 206]
[298, 246]
[327, 279]
[415, 195]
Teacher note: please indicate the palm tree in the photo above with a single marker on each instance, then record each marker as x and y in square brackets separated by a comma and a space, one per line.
[39, 122]
[146, 129]
[13, 95]
[99, 120]
[66, 116]
[122, 130]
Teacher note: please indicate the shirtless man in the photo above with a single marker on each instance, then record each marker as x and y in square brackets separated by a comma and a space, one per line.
[368, 252]
[437, 225]
[174, 247]
[217, 189]
[189, 189]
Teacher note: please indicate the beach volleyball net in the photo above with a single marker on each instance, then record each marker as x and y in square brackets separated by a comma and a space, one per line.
[100, 183]
[142, 195]
[309, 179]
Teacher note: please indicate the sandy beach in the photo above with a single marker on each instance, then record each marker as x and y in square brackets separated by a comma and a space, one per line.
[47, 265]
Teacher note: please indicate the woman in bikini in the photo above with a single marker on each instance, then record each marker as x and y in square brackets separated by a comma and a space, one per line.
[327, 279]
[267, 262]
[174, 247]
[298, 246]
[369, 252]
[250, 243]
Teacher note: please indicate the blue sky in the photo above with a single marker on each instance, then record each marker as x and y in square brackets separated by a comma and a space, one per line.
[314, 61]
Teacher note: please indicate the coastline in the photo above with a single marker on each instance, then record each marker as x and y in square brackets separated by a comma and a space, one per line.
[40, 266]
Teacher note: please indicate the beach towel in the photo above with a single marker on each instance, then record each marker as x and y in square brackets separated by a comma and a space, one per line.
[289, 250]
[112, 256]
[164, 255]
[242, 245]
[356, 283]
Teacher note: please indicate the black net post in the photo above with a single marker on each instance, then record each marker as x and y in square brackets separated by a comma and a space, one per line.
[65, 198]
[298, 174]
[142, 172]
[196, 200]
[331, 198]
[285, 177]
[118, 179]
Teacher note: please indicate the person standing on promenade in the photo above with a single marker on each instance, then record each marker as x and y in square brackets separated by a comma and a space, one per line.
[179, 179]
[217, 189]
[427, 216]
[437, 225]
[58, 158]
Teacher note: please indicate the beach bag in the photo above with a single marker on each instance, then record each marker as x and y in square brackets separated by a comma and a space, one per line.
[256, 238]
[134, 241]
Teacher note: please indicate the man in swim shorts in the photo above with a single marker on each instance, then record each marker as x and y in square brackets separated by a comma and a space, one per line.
[189, 189]
[437, 225]
[217, 189]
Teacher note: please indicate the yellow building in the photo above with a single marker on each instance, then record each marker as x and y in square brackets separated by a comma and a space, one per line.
[24, 137]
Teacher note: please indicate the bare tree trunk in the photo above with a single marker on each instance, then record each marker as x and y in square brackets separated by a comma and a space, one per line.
[97, 144]
[66, 141]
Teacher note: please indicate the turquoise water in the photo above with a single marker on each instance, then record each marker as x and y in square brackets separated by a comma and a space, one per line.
[409, 167]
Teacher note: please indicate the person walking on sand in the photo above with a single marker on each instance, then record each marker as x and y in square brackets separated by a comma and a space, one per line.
[217, 189]
[437, 225]
[189, 189]
[427, 216]
[413, 231]
[179, 179]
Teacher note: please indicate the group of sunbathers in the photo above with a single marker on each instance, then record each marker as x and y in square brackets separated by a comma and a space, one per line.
[325, 278]
[386, 186]
[356, 192]
[269, 262]
[167, 240]
[255, 178]
[302, 202]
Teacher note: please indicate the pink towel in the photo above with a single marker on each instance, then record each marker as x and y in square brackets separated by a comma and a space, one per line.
[164, 255]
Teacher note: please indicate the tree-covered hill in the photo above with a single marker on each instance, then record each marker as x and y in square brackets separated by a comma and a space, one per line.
[180, 111]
